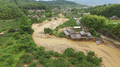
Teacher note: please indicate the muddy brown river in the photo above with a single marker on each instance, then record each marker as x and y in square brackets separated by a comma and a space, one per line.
[111, 56]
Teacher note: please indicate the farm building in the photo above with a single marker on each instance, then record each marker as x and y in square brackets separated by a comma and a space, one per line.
[114, 18]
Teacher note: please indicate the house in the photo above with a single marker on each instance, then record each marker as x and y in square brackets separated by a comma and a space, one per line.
[114, 18]
[42, 10]
[29, 16]
[72, 36]
[43, 16]
[31, 11]
[83, 33]
[35, 16]
[70, 31]
[75, 36]
[38, 11]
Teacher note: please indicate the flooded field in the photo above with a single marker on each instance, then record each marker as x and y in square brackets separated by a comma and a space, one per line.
[111, 56]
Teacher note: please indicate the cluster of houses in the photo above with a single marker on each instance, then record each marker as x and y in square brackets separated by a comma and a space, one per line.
[77, 36]
[82, 35]
[35, 16]
[37, 12]
[62, 10]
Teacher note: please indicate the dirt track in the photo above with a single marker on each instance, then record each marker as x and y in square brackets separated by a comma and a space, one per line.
[111, 57]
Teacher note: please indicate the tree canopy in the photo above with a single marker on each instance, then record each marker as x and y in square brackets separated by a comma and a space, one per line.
[107, 11]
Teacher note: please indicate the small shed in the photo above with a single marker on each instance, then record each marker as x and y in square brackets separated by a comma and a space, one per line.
[66, 33]
[76, 27]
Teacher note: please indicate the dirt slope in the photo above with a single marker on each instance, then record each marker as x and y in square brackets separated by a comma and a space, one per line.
[111, 57]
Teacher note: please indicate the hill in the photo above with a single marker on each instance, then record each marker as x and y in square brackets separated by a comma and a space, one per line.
[107, 11]
[12, 9]
[97, 2]
[62, 3]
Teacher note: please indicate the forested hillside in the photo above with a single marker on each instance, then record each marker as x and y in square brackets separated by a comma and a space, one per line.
[15, 8]
[63, 3]
[104, 10]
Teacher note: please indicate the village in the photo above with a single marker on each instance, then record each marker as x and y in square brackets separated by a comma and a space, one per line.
[77, 36]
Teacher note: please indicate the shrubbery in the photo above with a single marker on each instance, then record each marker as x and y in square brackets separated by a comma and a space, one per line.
[63, 60]
[49, 19]
[48, 30]
[24, 26]
[56, 54]
[73, 60]
[80, 56]
[94, 33]
[69, 52]
[61, 34]
[94, 21]
[26, 58]
[91, 53]
[33, 64]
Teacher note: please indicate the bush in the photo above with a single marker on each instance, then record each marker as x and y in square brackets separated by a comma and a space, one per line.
[89, 58]
[69, 52]
[73, 60]
[33, 64]
[48, 30]
[80, 56]
[92, 31]
[56, 54]
[40, 51]
[49, 19]
[41, 48]
[11, 30]
[91, 53]
[96, 60]
[54, 32]
[17, 35]
[50, 52]
[47, 55]
[42, 60]
[61, 34]
[26, 58]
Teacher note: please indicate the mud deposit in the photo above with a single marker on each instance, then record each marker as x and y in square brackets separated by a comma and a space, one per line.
[111, 56]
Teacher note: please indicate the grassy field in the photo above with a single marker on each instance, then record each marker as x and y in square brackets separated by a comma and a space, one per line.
[114, 21]
[69, 16]
[4, 25]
